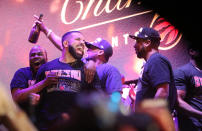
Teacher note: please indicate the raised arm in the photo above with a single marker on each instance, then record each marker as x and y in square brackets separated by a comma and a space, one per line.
[55, 39]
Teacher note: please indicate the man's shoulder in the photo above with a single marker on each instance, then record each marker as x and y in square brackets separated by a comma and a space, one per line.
[22, 73]
[107, 68]
[52, 61]
[158, 58]
[186, 67]
[24, 69]
[162, 57]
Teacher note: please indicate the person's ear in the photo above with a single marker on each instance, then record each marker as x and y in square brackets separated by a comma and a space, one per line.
[100, 52]
[192, 52]
[147, 43]
[65, 44]
[45, 55]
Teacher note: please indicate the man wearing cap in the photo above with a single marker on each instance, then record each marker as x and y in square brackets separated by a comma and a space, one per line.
[96, 63]
[156, 79]
[98, 56]
[99, 52]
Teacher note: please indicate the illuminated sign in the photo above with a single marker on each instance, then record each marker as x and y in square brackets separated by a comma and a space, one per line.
[86, 11]
[170, 36]
[106, 8]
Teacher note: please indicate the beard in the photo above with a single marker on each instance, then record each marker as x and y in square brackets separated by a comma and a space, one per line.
[141, 53]
[73, 52]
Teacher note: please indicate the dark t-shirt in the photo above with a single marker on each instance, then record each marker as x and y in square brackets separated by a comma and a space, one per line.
[23, 78]
[189, 79]
[157, 70]
[58, 99]
[110, 78]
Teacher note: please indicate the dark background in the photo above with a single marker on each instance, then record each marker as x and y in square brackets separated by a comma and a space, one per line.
[183, 14]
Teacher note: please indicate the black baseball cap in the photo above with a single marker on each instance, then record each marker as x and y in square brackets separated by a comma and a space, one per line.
[146, 33]
[102, 45]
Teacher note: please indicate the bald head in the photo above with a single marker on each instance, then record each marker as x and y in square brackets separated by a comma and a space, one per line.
[38, 47]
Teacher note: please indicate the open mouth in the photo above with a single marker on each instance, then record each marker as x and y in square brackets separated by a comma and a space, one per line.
[37, 63]
[80, 50]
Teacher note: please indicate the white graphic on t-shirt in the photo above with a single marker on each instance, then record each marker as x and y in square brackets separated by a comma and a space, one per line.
[31, 82]
[69, 80]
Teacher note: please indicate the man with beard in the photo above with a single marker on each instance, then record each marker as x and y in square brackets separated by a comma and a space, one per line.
[57, 100]
[156, 79]
[109, 76]
[89, 69]
[23, 83]
[188, 80]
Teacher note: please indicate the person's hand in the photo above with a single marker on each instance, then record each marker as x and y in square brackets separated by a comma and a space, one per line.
[51, 79]
[41, 25]
[90, 70]
[34, 99]
[132, 92]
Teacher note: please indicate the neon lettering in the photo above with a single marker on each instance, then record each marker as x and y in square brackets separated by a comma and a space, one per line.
[115, 41]
[126, 38]
[86, 11]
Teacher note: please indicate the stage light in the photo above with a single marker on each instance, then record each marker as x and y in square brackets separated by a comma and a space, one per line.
[137, 65]
[54, 6]
[1, 51]
[20, 1]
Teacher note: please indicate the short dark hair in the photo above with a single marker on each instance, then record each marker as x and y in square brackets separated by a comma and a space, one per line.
[64, 37]
[155, 42]
[192, 46]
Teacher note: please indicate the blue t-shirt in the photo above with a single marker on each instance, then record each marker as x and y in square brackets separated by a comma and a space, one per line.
[189, 79]
[110, 78]
[157, 70]
[23, 78]
[58, 99]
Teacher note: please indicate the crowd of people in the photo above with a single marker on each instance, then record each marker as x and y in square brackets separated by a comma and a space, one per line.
[76, 93]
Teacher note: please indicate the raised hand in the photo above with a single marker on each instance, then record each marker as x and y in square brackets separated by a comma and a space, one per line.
[41, 25]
